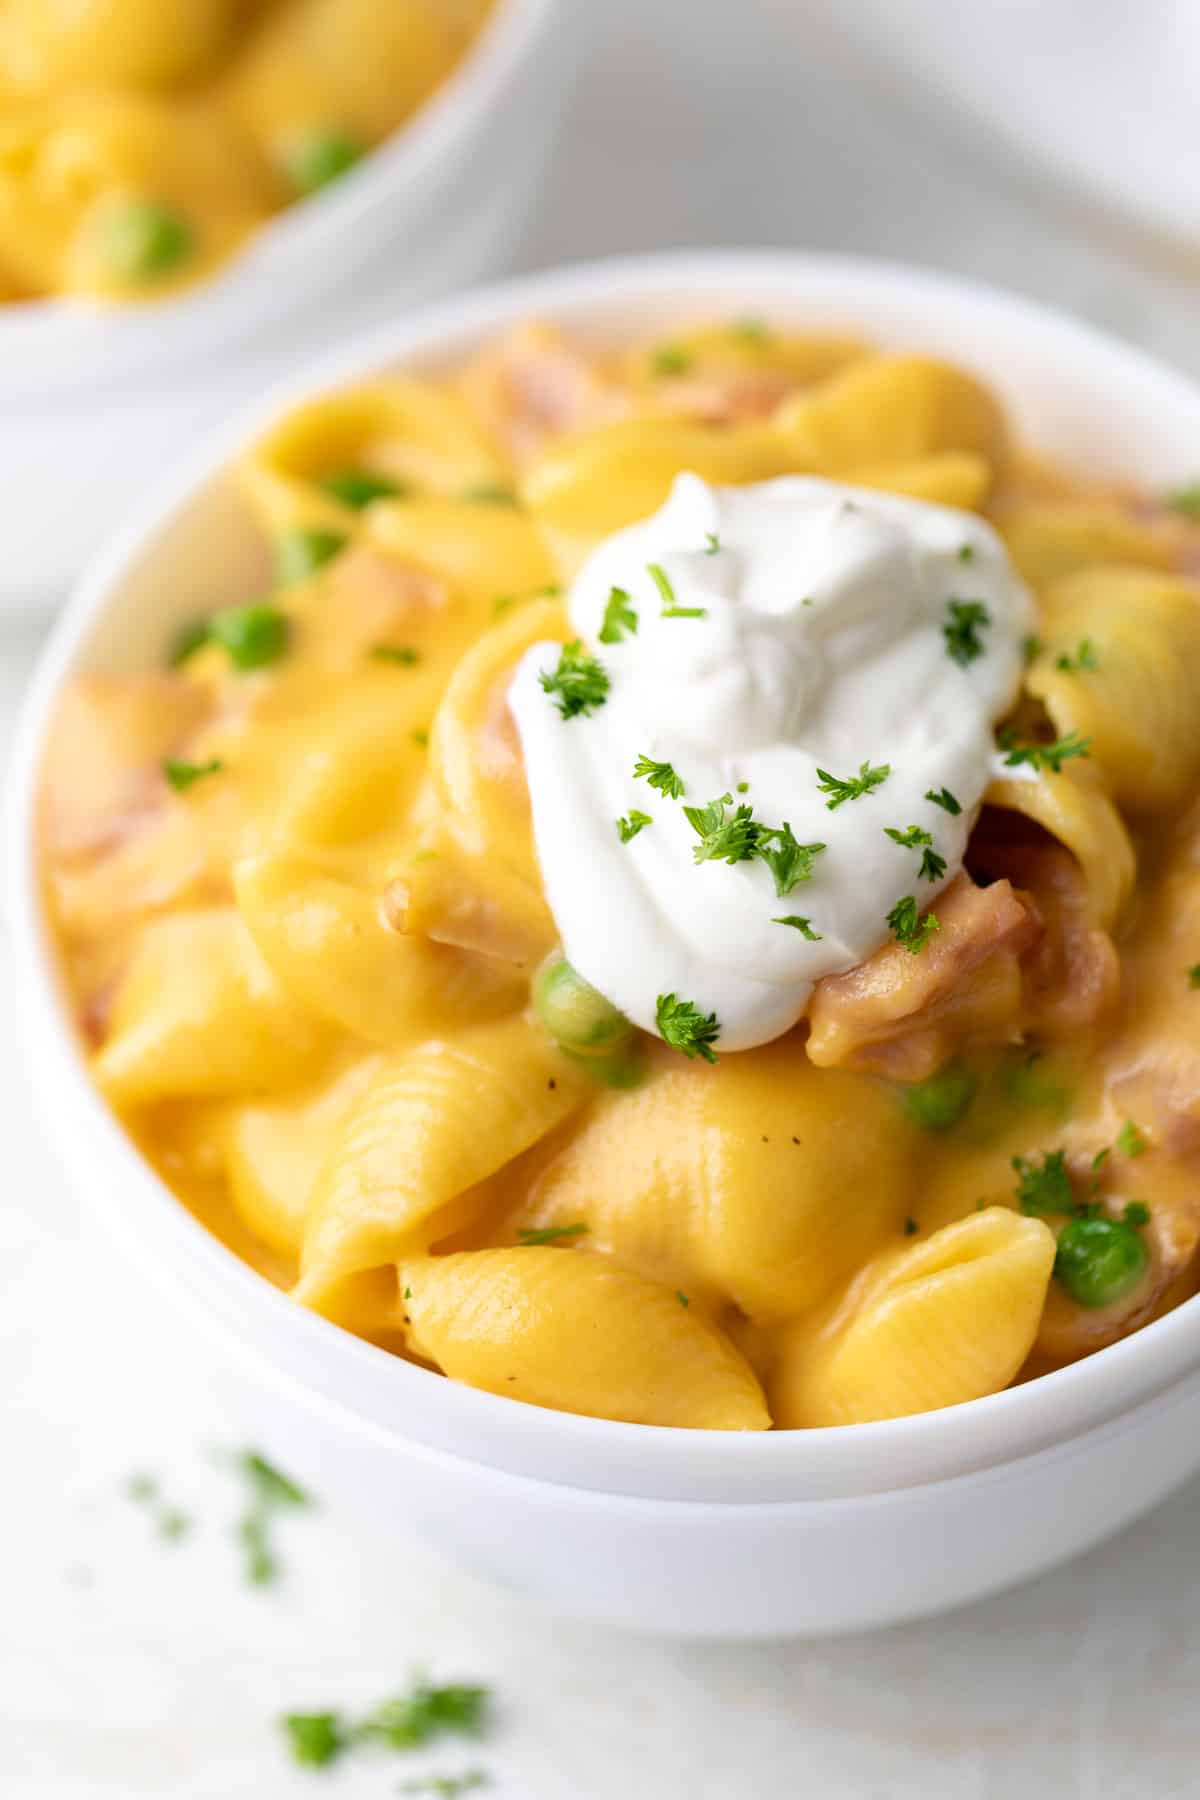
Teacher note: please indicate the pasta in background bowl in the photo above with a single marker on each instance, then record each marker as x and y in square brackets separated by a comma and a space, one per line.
[100, 395]
[660, 1323]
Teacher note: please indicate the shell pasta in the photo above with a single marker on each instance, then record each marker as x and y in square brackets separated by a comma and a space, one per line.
[141, 143]
[300, 879]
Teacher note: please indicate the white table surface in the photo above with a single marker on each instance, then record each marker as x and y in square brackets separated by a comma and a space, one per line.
[129, 1669]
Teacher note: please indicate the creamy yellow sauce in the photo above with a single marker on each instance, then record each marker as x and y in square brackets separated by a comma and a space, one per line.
[141, 143]
[294, 882]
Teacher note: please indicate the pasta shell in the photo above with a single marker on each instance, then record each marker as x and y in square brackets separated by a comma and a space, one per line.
[574, 1332]
[944, 1320]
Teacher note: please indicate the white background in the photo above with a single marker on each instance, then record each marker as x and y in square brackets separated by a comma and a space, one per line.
[129, 1669]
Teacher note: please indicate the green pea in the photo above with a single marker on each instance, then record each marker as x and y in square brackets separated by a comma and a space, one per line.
[141, 240]
[1100, 1260]
[941, 1101]
[300, 553]
[316, 158]
[358, 487]
[253, 636]
[575, 1014]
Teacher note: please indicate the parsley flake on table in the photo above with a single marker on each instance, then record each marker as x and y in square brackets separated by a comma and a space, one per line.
[619, 617]
[1049, 757]
[712, 543]
[910, 927]
[945, 799]
[315, 1739]
[579, 684]
[964, 622]
[724, 837]
[852, 787]
[270, 1492]
[1046, 1188]
[684, 1027]
[182, 775]
[631, 824]
[660, 775]
[802, 925]
[790, 862]
[670, 606]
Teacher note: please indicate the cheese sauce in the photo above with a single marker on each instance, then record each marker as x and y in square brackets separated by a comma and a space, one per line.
[793, 639]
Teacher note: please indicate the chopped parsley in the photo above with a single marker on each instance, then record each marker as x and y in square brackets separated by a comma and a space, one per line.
[619, 617]
[251, 636]
[191, 637]
[910, 927]
[966, 553]
[315, 1739]
[270, 1492]
[964, 622]
[530, 1236]
[854, 786]
[489, 493]
[405, 1722]
[712, 543]
[802, 925]
[1044, 1189]
[1136, 1214]
[181, 775]
[750, 331]
[445, 1787]
[670, 359]
[505, 602]
[628, 827]
[420, 739]
[660, 775]
[945, 799]
[412, 1719]
[670, 607]
[684, 1027]
[1031, 648]
[933, 866]
[579, 684]
[170, 1522]
[911, 1228]
[1044, 756]
[682, 1298]
[1194, 976]
[729, 838]
[360, 488]
[301, 552]
[1186, 500]
[1083, 661]
[1130, 1141]
[403, 655]
[790, 862]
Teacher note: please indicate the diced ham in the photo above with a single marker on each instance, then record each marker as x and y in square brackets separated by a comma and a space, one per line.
[902, 1015]
[537, 383]
[102, 775]
[1073, 975]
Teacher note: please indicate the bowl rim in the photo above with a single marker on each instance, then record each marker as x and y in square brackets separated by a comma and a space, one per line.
[384, 1391]
[408, 159]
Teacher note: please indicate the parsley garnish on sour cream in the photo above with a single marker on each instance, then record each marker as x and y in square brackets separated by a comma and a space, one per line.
[790, 670]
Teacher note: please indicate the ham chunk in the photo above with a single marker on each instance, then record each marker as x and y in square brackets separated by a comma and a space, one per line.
[902, 1015]
[535, 384]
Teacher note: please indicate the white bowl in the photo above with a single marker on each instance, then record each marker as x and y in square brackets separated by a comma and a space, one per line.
[701, 1533]
[97, 401]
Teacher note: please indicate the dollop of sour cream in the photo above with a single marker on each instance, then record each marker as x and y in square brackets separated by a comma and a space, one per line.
[785, 632]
